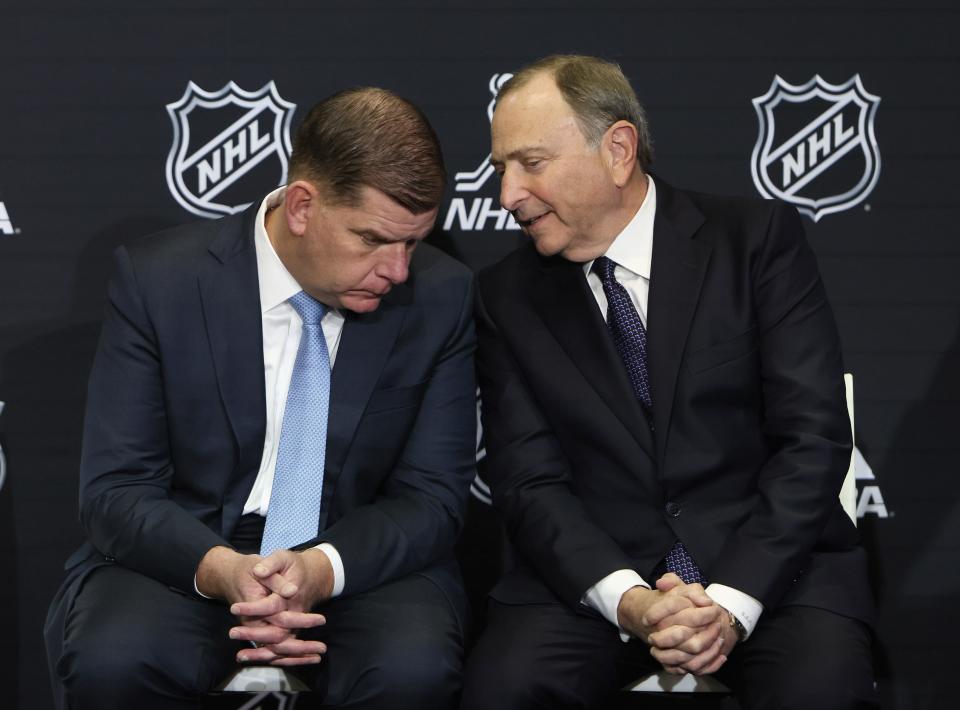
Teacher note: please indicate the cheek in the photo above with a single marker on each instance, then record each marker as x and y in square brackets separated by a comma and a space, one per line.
[587, 199]
[358, 273]
[569, 189]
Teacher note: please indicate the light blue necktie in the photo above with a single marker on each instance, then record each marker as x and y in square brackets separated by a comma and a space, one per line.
[294, 511]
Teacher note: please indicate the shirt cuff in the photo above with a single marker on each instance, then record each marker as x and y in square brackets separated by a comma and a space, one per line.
[743, 606]
[605, 595]
[337, 563]
[197, 589]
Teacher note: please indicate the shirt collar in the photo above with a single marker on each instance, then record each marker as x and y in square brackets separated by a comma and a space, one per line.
[276, 283]
[633, 247]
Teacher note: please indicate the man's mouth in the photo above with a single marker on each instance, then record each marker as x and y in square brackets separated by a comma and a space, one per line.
[364, 293]
[532, 221]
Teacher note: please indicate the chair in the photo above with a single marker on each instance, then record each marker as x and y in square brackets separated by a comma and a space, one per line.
[257, 679]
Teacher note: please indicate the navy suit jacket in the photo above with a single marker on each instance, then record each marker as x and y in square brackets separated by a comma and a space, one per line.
[751, 438]
[175, 419]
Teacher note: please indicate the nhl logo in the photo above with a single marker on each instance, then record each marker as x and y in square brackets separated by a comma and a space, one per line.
[227, 145]
[479, 213]
[816, 148]
[473, 180]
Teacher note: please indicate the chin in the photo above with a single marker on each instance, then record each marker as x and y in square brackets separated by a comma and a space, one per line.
[547, 247]
[361, 305]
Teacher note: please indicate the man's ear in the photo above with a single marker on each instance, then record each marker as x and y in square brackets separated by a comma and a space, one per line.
[620, 147]
[300, 199]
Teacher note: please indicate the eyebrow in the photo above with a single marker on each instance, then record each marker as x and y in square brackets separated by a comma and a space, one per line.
[382, 238]
[376, 236]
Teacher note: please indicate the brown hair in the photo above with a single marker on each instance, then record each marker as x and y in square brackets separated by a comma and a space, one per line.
[597, 92]
[370, 137]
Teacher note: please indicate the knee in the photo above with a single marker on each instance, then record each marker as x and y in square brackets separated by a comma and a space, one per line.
[425, 680]
[427, 665]
[810, 658]
[803, 696]
[411, 672]
[836, 688]
[106, 666]
[832, 682]
[94, 674]
[500, 680]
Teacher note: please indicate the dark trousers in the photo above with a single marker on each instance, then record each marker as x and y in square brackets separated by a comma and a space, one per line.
[549, 656]
[132, 642]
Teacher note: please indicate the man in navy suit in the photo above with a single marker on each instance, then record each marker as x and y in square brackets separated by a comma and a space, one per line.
[198, 362]
[665, 424]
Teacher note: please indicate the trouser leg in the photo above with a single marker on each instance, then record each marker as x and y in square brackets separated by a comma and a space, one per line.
[804, 657]
[133, 642]
[397, 646]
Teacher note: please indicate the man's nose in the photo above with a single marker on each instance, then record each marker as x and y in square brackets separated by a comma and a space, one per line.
[512, 190]
[395, 263]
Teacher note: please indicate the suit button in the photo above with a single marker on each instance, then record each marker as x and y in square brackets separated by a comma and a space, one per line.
[673, 509]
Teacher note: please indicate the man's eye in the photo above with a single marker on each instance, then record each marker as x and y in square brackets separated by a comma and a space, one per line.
[533, 163]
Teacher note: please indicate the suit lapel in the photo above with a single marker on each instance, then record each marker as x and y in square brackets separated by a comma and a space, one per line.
[365, 344]
[563, 299]
[230, 300]
[677, 270]
[231, 305]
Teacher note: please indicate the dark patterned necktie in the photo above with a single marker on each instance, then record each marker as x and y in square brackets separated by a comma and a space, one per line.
[626, 328]
[679, 561]
[630, 338]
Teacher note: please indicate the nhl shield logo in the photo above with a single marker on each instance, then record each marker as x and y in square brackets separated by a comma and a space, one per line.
[228, 146]
[816, 148]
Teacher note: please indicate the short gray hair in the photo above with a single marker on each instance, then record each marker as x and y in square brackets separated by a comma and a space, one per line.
[597, 92]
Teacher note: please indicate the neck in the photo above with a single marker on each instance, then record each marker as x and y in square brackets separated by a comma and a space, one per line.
[635, 192]
[631, 197]
[274, 225]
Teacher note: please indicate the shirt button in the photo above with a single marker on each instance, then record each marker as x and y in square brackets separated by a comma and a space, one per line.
[673, 509]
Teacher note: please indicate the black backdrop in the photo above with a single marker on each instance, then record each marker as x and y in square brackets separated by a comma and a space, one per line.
[85, 137]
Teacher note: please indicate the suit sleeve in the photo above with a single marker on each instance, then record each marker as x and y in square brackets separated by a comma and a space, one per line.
[417, 515]
[804, 419]
[531, 479]
[126, 466]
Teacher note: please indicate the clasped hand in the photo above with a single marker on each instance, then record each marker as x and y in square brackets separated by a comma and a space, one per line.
[686, 630]
[271, 597]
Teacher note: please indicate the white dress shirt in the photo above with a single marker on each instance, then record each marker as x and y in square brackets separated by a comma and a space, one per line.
[632, 251]
[282, 328]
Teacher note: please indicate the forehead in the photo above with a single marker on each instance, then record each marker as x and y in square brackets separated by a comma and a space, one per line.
[380, 215]
[535, 116]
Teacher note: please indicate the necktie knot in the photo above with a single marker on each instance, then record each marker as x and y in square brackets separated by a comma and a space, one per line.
[604, 268]
[311, 311]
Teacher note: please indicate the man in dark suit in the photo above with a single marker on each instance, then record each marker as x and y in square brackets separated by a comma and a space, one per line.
[243, 501]
[665, 424]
